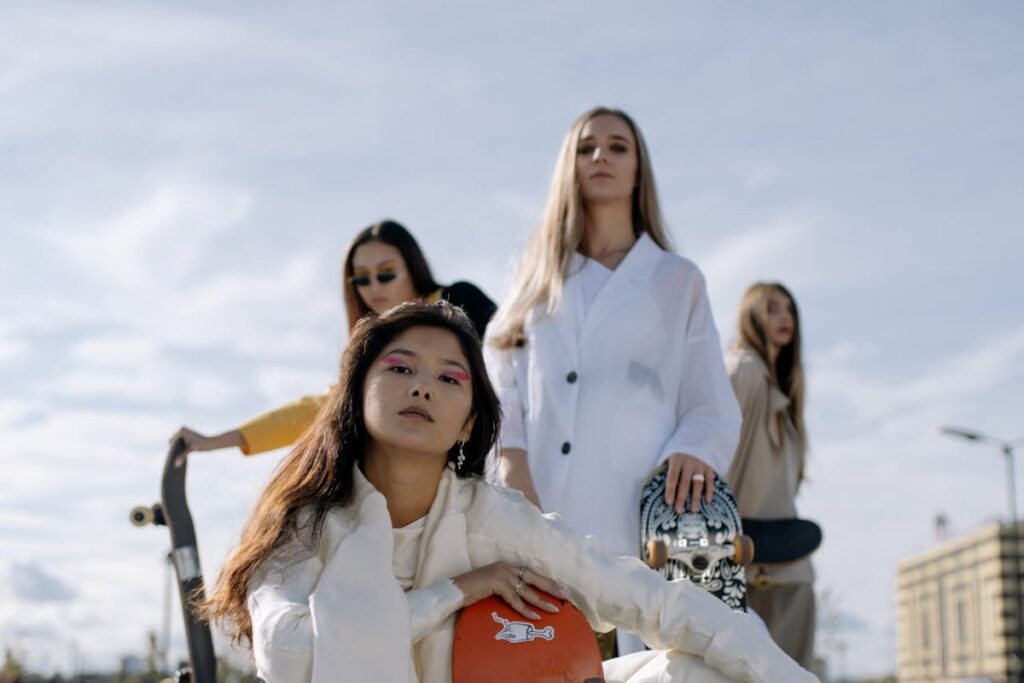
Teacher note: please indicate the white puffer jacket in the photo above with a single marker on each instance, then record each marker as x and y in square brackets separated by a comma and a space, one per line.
[333, 611]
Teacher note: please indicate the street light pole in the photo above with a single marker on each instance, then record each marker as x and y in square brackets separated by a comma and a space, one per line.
[1007, 448]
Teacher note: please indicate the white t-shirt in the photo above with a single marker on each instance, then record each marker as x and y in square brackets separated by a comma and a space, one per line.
[407, 552]
[593, 276]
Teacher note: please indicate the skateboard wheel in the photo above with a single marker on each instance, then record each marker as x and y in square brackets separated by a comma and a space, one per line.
[657, 553]
[141, 515]
[744, 554]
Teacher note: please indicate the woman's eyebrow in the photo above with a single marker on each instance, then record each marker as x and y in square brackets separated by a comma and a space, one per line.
[413, 354]
[379, 264]
[400, 352]
[613, 136]
[455, 363]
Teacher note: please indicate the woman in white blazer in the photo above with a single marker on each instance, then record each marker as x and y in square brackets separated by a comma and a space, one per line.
[606, 358]
[378, 527]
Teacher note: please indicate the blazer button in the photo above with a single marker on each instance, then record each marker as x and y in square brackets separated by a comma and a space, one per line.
[566, 447]
[572, 377]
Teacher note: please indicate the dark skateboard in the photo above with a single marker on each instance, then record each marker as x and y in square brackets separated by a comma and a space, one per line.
[494, 644]
[707, 547]
[781, 541]
[172, 511]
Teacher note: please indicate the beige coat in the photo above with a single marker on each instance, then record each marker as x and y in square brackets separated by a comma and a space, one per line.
[765, 472]
[333, 610]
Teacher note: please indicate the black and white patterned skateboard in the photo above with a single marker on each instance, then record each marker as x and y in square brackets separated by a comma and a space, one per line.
[706, 547]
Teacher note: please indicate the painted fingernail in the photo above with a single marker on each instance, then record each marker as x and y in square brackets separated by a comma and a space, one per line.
[531, 614]
[549, 607]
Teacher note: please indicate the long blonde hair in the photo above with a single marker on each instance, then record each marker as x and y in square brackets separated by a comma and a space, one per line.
[787, 372]
[543, 266]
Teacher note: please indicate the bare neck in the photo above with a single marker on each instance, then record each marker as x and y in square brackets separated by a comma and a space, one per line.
[608, 233]
[407, 480]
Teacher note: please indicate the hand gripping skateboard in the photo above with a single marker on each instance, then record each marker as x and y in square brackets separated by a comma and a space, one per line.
[707, 547]
[494, 643]
[172, 511]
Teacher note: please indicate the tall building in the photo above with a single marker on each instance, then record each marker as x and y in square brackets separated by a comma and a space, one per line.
[958, 608]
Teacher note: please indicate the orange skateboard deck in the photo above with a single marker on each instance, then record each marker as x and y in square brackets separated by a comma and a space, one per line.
[496, 644]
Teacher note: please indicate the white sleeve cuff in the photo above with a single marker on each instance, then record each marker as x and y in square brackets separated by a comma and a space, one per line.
[430, 605]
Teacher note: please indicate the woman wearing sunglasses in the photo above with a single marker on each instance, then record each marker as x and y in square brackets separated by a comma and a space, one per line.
[384, 266]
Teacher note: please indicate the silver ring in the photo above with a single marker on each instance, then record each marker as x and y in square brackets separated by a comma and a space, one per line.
[522, 570]
[698, 477]
[519, 586]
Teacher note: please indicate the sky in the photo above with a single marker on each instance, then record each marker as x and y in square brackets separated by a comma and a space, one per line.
[178, 182]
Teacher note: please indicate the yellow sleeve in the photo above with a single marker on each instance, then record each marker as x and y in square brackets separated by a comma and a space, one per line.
[281, 426]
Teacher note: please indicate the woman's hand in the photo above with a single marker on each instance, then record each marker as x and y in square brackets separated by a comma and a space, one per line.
[681, 480]
[511, 583]
[194, 441]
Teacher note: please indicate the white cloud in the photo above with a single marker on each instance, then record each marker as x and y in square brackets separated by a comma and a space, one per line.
[141, 385]
[947, 382]
[283, 383]
[764, 252]
[763, 174]
[158, 241]
[118, 351]
[12, 349]
[30, 583]
[70, 40]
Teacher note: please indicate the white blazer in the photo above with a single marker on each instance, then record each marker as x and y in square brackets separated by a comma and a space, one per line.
[330, 609]
[598, 407]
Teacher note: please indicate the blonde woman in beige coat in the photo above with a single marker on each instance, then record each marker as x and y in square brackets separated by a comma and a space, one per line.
[766, 472]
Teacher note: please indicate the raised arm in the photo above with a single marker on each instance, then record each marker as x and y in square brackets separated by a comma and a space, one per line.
[281, 426]
[273, 429]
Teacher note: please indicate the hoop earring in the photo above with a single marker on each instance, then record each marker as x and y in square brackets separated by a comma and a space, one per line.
[461, 460]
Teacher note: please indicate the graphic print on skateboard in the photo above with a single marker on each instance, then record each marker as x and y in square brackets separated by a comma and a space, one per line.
[494, 643]
[706, 547]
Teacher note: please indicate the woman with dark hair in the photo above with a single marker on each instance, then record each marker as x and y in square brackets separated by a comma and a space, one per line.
[383, 267]
[767, 373]
[378, 527]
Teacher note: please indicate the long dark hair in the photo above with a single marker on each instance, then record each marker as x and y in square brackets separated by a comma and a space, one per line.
[393, 233]
[319, 473]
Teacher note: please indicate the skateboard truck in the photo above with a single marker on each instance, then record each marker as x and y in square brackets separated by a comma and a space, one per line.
[693, 549]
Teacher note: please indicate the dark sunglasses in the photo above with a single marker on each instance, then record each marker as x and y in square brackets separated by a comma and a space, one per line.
[364, 280]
